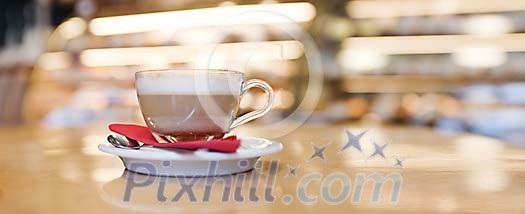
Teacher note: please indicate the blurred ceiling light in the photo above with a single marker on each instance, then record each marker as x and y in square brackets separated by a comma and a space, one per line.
[227, 4]
[217, 60]
[54, 61]
[275, 68]
[155, 63]
[433, 44]
[479, 56]
[397, 8]
[278, 50]
[487, 25]
[205, 35]
[262, 14]
[359, 60]
[72, 28]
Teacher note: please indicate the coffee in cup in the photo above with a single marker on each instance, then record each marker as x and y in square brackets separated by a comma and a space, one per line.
[188, 104]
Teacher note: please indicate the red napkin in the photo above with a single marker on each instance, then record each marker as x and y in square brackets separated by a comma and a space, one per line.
[143, 134]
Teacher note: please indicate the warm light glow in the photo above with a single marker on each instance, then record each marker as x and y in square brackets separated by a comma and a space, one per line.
[397, 8]
[434, 44]
[227, 4]
[487, 25]
[72, 28]
[359, 60]
[479, 56]
[54, 61]
[242, 51]
[229, 15]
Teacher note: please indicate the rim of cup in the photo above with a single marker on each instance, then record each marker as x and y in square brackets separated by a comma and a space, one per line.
[188, 71]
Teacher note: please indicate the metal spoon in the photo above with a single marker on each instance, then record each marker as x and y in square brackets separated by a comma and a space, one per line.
[123, 142]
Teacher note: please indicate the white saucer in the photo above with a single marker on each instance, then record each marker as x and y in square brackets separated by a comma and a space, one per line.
[176, 162]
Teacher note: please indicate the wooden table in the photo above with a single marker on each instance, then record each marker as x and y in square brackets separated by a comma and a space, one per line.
[61, 171]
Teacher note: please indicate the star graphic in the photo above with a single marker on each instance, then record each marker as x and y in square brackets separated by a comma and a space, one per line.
[318, 152]
[353, 141]
[292, 171]
[378, 150]
[399, 162]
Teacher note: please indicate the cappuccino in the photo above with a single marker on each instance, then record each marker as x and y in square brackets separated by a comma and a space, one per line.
[174, 106]
[185, 104]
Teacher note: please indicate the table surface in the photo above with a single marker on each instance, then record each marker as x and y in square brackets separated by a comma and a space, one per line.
[62, 171]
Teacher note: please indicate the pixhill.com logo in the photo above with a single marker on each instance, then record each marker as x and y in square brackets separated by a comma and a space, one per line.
[267, 182]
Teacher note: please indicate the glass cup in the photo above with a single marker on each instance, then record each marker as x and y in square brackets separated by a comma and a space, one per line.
[195, 104]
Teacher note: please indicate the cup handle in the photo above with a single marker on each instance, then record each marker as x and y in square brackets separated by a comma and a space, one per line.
[247, 85]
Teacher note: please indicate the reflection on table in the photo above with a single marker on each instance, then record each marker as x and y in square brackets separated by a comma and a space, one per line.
[422, 171]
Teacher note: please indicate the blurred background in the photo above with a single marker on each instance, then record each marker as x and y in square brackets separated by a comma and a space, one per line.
[453, 65]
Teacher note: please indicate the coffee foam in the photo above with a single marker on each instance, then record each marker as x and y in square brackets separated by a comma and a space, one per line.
[188, 84]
